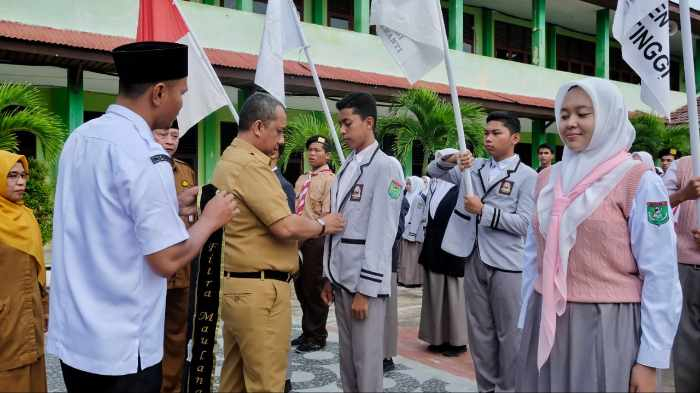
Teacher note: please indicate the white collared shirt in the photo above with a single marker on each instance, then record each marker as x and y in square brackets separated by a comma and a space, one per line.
[496, 170]
[115, 203]
[348, 175]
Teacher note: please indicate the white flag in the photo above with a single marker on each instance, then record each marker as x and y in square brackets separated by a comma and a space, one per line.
[280, 34]
[411, 33]
[642, 28]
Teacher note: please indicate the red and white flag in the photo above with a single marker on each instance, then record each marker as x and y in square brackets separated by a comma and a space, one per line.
[161, 20]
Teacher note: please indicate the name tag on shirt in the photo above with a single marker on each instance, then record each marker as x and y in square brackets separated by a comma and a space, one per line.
[357, 192]
[506, 187]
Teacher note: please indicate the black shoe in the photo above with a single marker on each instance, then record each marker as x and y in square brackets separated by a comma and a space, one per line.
[454, 351]
[287, 386]
[298, 341]
[438, 348]
[307, 347]
[389, 365]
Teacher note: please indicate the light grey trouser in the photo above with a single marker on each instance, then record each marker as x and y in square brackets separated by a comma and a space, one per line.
[391, 320]
[361, 348]
[686, 349]
[493, 306]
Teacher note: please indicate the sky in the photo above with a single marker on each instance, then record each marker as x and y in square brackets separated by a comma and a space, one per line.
[695, 4]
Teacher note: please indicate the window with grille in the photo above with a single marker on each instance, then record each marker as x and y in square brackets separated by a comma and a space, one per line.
[341, 14]
[575, 55]
[513, 42]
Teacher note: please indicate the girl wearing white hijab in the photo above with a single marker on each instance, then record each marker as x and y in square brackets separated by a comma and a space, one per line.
[648, 160]
[410, 273]
[601, 297]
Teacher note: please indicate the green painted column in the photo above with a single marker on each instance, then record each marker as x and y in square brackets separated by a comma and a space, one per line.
[539, 32]
[488, 31]
[208, 147]
[551, 46]
[455, 16]
[210, 2]
[308, 16]
[244, 5]
[538, 138]
[602, 44]
[75, 104]
[243, 94]
[361, 16]
[696, 58]
[320, 12]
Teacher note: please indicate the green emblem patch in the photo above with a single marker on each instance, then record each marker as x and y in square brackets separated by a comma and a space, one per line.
[394, 189]
[657, 213]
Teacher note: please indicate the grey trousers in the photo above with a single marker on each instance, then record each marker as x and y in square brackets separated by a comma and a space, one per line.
[686, 348]
[391, 320]
[493, 304]
[361, 348]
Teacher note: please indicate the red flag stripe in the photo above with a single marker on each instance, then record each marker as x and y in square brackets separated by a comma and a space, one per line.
[160, 20]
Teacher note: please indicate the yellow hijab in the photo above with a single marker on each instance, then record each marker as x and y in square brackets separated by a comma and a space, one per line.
[18, 227]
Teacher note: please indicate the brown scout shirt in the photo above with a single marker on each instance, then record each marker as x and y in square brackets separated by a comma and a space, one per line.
[249, 246]
[318, 199]
[184, 179]
[22, 310]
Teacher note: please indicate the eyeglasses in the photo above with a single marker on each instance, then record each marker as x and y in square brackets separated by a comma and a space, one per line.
[14, 176]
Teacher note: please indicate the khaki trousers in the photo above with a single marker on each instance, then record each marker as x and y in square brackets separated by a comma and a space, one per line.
[175, 339]
[257, 325]
[29, 378]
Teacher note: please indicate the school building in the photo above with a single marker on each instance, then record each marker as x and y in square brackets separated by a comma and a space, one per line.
[507, 55]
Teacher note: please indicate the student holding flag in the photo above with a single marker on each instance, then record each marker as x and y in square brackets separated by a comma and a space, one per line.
[601, 297]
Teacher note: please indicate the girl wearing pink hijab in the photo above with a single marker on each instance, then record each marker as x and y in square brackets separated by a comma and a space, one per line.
[601, 296]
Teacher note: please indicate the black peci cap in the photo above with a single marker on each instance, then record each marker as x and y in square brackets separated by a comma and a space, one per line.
[150, 61]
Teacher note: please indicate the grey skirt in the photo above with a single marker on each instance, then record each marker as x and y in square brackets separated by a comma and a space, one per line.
[391, 321]
[443, 317]
[595, 348]
[410, 272]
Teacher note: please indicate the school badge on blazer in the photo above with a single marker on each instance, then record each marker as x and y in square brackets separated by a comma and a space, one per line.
[657, 213]
[506, 187]
[357, 192]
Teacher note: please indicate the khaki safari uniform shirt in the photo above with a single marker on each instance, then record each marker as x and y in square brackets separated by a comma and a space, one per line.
[249, 246]
[184, 178]
[317, 202]
[22, 308]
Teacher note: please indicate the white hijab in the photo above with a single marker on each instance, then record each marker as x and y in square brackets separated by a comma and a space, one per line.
[646, 158]
[417, 186]
[613, 133]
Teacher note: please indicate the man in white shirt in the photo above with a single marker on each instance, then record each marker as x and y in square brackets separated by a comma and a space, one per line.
[117, 231]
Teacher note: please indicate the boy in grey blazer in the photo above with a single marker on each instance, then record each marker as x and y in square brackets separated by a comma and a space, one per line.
[491, 226]
[357, 261]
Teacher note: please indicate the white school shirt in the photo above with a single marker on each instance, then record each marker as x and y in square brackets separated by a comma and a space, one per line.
[496, 170]
[115, 203]
[654, 250]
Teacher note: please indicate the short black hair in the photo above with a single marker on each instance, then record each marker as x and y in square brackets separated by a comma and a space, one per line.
[669, 151]
[509, 120]
[318, 139]
[362, 104]
[545, 146]
[259, 106]
[134, 90]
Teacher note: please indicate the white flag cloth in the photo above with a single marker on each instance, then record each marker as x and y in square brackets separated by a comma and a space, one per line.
[281, 33]
[642, 28]
[411, 33]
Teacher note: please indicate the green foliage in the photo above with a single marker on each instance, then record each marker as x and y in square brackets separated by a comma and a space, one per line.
[299, 130]
[653, 134]
[21, 109]
[421, 115]
[39, 196]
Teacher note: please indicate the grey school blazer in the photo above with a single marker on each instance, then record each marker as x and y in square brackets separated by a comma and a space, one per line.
[359, 258]
[501, 230]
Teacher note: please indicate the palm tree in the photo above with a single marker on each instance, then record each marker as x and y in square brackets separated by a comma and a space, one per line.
[299, 130]
[21, 110]
[421, 115]
[653, 134]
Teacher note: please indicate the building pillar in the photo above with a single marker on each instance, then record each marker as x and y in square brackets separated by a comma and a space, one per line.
[75, 105]
[361, 16]
[244, 5]
[243, 94]
[308, 16]
[602, 44]
[208, 147]
[320, 12]
[538, 138]
[488, 32]
[539, 32]
[455, 17]
[551, 46]
[210, 2]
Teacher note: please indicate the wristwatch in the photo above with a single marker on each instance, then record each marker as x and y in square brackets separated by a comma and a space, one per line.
[323, 226]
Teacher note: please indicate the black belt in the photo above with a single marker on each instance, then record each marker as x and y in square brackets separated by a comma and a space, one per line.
[262, 275]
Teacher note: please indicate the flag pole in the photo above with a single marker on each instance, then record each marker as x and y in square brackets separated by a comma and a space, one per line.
[319, 89]
[689, 67]
[466, 174]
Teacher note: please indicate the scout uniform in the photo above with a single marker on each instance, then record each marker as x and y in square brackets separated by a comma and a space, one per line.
[115, 204]
[177, 299]
[258, 267]
[600, 283]
[367, 192]
[22, 293]
[494, 241]
[686, 358]
[313, 200]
